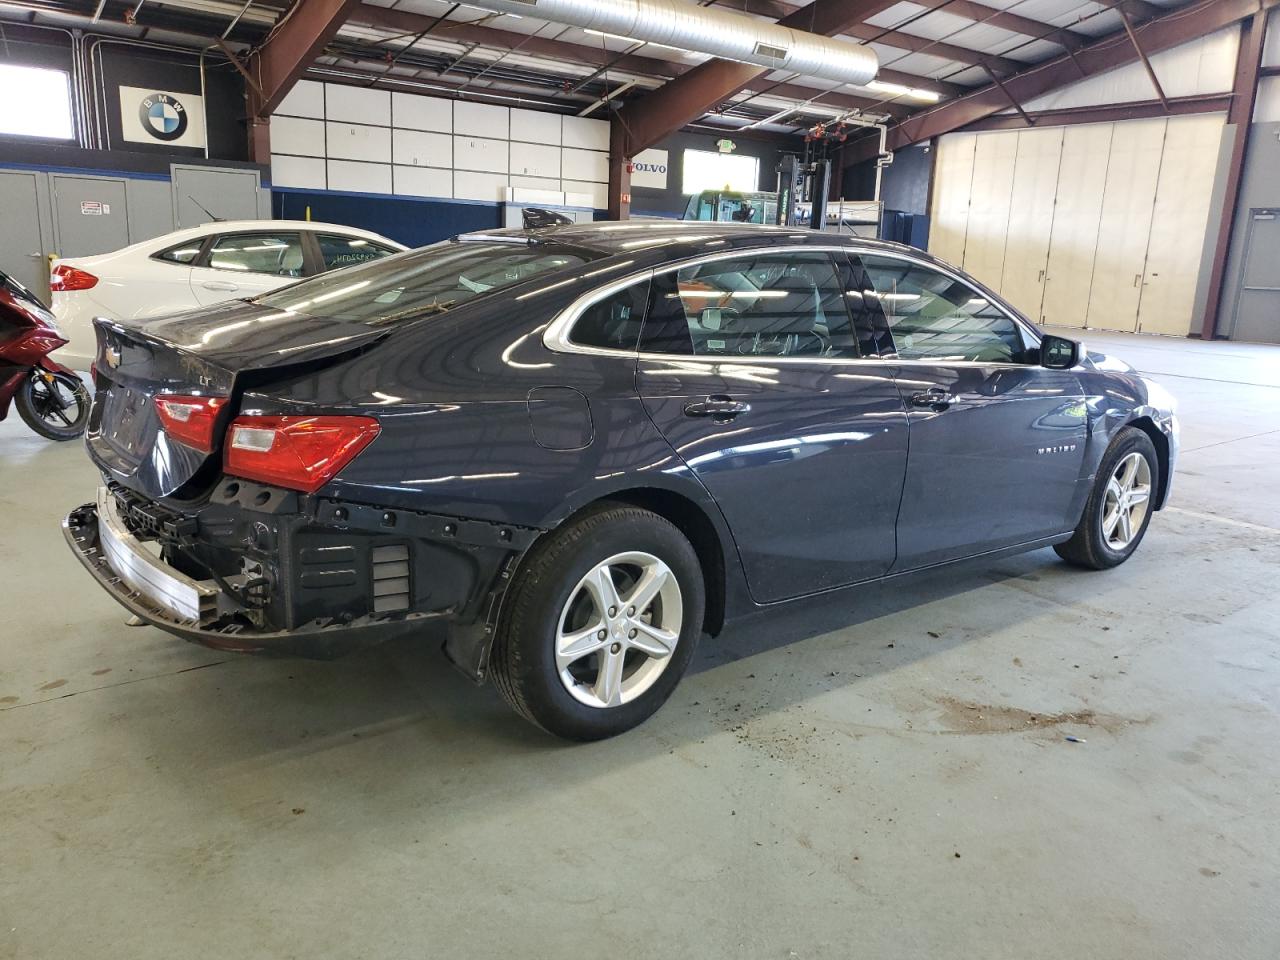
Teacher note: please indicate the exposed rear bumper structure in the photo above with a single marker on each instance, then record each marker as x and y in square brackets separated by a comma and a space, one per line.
[133, 569]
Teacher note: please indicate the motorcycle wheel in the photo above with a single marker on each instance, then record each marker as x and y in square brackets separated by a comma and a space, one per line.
[54, 405]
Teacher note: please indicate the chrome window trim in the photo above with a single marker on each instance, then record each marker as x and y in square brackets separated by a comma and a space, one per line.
[556, 337]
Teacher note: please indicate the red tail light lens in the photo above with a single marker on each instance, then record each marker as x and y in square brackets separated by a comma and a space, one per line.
[190, 419]
[64, 278]
[301, 453]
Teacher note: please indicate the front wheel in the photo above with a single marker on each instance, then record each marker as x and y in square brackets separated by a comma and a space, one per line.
[601, 623]
[54, 405]
[1119, 508]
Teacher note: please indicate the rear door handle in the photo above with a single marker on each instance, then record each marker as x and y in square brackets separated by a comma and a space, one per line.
[226, 285]
[722, 409]
[935, 399]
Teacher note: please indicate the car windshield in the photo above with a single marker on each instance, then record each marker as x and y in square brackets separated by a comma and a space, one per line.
[426, 280]
[19, 291]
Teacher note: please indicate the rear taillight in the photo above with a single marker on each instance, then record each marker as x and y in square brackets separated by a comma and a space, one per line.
[301, 453]
[64, 278]
[190, 419]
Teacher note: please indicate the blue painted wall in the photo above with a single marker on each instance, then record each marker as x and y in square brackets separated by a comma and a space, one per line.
[412, 221]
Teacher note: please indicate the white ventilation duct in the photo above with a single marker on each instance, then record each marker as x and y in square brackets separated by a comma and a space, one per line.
[732, 36]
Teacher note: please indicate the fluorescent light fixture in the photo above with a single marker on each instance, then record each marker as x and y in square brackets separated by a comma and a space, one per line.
[898, 90]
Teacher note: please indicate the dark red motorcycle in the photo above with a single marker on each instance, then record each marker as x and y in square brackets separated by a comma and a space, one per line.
[51, 399]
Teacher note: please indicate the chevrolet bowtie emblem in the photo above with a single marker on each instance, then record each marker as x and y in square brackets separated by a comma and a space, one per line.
[112, 356]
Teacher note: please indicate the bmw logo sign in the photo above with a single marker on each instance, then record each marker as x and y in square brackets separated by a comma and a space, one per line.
[163, 116]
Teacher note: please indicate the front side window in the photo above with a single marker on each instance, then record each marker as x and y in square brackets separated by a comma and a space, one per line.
[338, 251]
[933, 316]
[614, 322]
[278, 254]
[429, 279]
[762, 304]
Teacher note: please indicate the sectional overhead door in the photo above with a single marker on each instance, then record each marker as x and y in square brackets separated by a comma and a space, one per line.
[1098, 225]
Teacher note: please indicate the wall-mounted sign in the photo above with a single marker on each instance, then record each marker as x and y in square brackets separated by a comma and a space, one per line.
[94, 208]
[726, 146]
[162, 117]
[649, 169]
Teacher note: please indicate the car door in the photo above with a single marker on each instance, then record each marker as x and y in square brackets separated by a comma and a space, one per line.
[240, 265]
[997, 441]
[753, 369]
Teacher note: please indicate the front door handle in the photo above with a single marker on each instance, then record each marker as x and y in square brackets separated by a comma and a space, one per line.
[720, 408]
[935, 399]
[225, 285]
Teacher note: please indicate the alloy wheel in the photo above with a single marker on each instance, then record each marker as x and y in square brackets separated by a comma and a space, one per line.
[618, 629]
[1128, 499]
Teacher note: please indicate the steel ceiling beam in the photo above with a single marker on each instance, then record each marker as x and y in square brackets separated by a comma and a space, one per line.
[291, 47]
[1174, 28]
[1108, 113]
[1142, 55]
[1240, 122]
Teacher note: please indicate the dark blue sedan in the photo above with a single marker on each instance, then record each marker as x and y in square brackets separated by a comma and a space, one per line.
[568, 453]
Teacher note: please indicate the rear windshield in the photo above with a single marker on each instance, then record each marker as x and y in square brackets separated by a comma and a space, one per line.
[425, 280]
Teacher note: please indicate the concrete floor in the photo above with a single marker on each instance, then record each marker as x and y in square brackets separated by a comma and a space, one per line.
[885, 775]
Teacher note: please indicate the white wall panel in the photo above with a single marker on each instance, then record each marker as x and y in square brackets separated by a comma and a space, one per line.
[1035, 183]
[357, 104]
[585, 165]
[1125, 226]
[535, 160]
[536, 184]
[1077, 211]
[476, 153]
[359, 177]
[481, 119]
[585, 133]
[352, 141]
[306, 99]
[412, 112]
[299, 137]
[478, 186]
[423, 182]
[374, 141]
[531, 126]
[988, 226]
[1267, 109]
[526, 193]
[419, 149]
[1271, 46]
[953, 179]
[1203, 66]
[1180, 218]
[598, 192]
[307, 173]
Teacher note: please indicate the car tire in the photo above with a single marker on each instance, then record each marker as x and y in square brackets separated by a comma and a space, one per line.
[609, 679]
[1115, 521]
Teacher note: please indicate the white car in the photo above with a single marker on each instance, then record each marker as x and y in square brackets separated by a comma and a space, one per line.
[195, 268]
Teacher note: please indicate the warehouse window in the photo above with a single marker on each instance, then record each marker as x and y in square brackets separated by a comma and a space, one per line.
[704, 170]
[35, 102]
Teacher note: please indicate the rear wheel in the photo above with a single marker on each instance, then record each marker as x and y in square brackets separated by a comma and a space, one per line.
[1119, 508]
[601, 623]
[54, 405]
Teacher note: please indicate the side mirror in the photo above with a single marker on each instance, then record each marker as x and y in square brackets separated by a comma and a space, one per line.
[1059, 353]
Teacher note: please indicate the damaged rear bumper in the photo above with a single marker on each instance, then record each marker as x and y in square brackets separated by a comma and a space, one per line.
[120, 546]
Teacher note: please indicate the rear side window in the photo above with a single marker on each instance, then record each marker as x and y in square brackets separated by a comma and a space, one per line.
[338, 251]
[934, 316]
[184, 253]
[764, 304]
[278, 254]
[614, 322]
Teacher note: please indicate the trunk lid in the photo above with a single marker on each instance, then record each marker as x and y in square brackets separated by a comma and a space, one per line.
[212, 352]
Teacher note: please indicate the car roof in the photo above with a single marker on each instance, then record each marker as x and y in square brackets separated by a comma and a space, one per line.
[675, 239]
